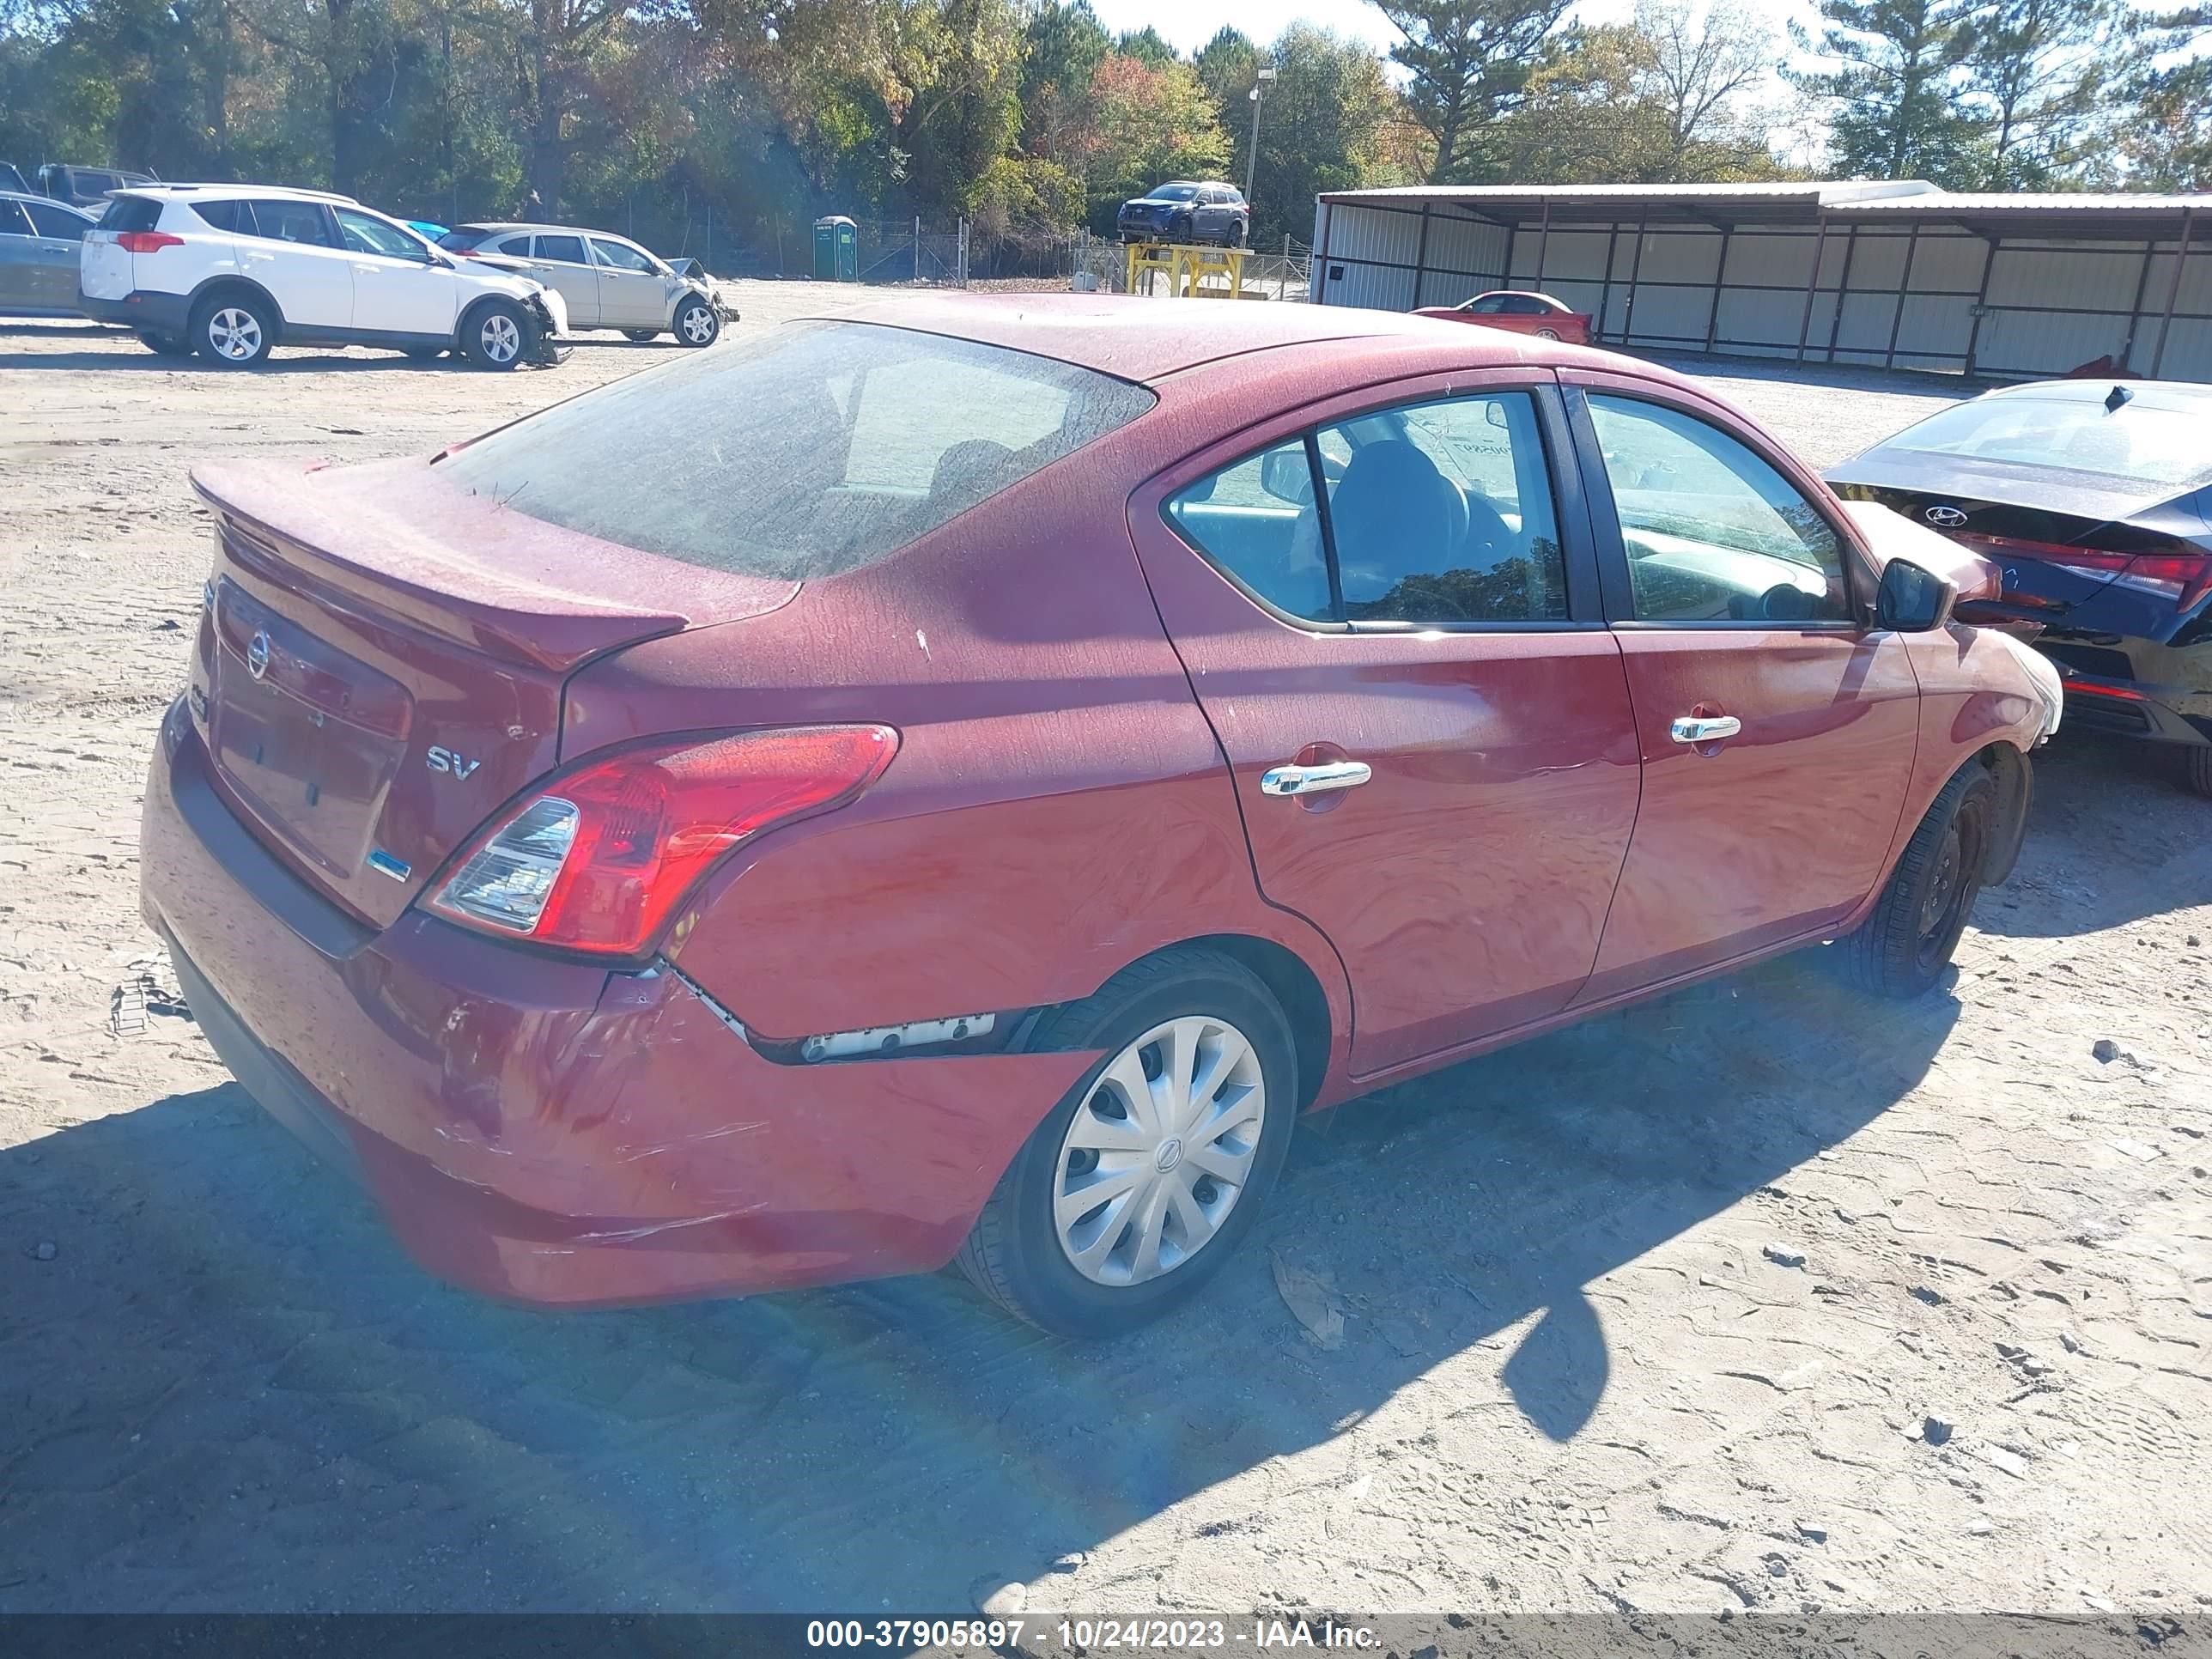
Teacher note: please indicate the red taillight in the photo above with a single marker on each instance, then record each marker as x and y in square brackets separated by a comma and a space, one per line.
[2184, 577]
[600, 858]
[146, 241]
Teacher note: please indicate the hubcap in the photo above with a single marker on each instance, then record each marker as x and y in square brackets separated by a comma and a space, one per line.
[503, 340]
[233, 333]
[698, 324]
[1159, 1152]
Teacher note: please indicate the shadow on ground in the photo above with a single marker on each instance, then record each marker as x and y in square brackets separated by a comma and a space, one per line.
[227, 1389]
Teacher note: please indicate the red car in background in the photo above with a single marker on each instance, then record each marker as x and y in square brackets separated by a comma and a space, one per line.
[951, 784]
[1521, 311]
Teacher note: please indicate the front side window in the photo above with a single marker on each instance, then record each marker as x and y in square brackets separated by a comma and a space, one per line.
[1430, 514]
[1712, 532]
[799, 452]
[14, 221]
[292, 221]
[562, 250]
[622, 257]
[365, 234]
[1488, 305]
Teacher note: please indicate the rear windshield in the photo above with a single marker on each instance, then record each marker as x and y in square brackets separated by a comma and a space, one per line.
[130, 213]
[460, 241]
[2132, 443]
[801, 452]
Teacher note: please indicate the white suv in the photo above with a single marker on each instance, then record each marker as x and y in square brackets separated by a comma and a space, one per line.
[230, 270]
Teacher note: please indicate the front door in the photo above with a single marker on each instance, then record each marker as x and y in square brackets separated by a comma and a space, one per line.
[1777, 725]
[1396, 636]
[633, 293]
[397, 287]
[562, 263]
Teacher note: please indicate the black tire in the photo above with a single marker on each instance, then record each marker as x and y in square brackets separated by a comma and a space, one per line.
[1903, 947]
[641, 334]
[496, 335]
[2197, 770]
[234, 331]
[425, 353]
[1180, 229]
[1014, 1255]
[1239, 233]
[165, 345]
[697, 324]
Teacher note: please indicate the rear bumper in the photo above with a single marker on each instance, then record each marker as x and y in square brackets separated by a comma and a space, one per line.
[148, 310]
[551, 1132]
[2131, 708]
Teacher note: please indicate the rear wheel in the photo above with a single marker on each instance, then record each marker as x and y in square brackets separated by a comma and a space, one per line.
[1547, 334]
[2196, 768]
[234, 331]
[697, 324]
[1136, 1188]
[495, 335]
[166, 345]
[1903, 947]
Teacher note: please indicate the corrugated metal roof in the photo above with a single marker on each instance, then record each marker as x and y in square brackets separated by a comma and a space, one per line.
[1772, 203]
[2022, 202]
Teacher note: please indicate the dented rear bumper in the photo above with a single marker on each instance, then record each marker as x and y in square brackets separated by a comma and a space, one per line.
[550, 1132]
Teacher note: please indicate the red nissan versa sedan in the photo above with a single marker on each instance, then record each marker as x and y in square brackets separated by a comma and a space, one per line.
[961, 783]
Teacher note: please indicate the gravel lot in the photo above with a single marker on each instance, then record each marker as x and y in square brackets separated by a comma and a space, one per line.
[1760, 1296]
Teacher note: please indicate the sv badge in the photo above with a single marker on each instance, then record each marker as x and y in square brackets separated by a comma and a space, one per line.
[445, 760]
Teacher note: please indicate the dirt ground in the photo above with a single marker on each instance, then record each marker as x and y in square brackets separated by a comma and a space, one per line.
[1761, 1296]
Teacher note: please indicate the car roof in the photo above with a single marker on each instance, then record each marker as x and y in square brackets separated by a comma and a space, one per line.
[1146, 340]
[2188, 396]
[502, 226]
[1526, 294]
[43, 201]
[173, 193]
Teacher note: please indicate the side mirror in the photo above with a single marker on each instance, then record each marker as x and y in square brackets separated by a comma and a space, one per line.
[1285, 474]
[1912, 601]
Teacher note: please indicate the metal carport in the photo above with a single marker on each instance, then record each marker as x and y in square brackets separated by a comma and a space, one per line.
[1898, 275]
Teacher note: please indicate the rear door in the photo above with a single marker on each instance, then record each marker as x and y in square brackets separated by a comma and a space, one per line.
[562, 263]
[1406, 667]
[294, 252]
[58, 244]
[22, 283]
[633, 293]
[1777, 725]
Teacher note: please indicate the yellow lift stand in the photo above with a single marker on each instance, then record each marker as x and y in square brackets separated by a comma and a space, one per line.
[1192, 271]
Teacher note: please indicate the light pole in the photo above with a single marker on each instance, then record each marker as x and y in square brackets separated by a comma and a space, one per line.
[1252, 160]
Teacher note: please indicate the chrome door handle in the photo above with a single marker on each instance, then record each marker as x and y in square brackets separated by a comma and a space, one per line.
[1691, 729]
[1315, 780]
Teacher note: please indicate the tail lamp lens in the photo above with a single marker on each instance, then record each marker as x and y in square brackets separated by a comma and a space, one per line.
[146, 241]
[603, 856]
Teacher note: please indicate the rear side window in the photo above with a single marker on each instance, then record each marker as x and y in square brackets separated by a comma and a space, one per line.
[234, 216]
[1431, 515]
[801, 452]
[562, 250]
[130, 213]
[57, 221]
[293, 221]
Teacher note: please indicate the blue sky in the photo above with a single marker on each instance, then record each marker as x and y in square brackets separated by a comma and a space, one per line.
[1190, 24]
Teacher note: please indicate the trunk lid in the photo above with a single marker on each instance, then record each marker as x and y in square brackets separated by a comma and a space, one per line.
[385, 657]
[104, 270]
